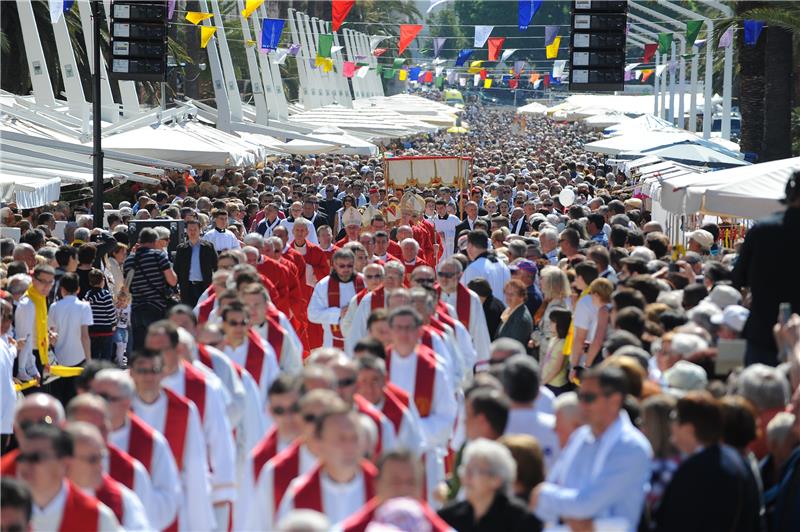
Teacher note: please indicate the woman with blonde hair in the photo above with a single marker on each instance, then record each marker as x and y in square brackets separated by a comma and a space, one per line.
[556, 293]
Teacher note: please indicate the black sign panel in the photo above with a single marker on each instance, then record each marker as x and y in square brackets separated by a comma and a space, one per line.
[139, 40]
[597, 45]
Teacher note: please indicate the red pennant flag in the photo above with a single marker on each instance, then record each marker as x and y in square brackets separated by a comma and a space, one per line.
[512, 84]
[646, 74]
[428, 77]
[377, 52]
[649, 52]
[495, 45]
[483, 74]
[408, 32]
[348, 69]
[546, 80]
[339, 10]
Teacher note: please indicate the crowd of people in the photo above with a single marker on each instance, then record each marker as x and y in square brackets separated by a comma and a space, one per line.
[300, 346]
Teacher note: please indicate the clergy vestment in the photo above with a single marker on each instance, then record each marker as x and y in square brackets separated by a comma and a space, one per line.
[127, 507]
[403, 416]
[358, 320]
[469, 311]
[278, 332]
[72, 509]
[211, 359]
[330, 296]
[178, 420]
[131, 473]
[149, 447]
[258, 358]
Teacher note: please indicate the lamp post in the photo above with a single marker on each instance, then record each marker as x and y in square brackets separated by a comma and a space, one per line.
[97, 130]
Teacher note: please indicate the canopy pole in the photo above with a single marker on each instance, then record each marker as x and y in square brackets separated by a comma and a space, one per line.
[97, 148]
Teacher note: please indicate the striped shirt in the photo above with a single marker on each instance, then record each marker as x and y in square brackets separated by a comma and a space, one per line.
[103, 312]
[148, 286]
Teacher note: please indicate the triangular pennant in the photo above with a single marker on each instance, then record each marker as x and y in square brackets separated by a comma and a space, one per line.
[462, 82]
[438, 42]
[413, 73]
[195, 17]
[362, 72]
[398, 62]
[438, 70]
[327, 64]
[631, 66]
[558, 68]
[487, 83]
[660, 69]
[552, 49]
[402, 74]
[439, 61]
[513, 83]
[752, 31]
[475, 67]
[56, 10]
[546, 80]
[525, 11]
[495, 44]
[664, 43]
[475, 80]
[519, 66]
[428, 77]
[250, 6]
[339, 11]
[336, 49]
[206, 32]
[68, 5]
[408, 32]
[294, 48]
[646, 74]
[507, 53]
[171, 9]
[550, 33]
[463, 55]
[692, 30]
[324, 45]
[483, 74]
[727, 38]
[481, 34]
[439, 82]
[649, 52]
[348, 69]
[375, 40]
[388, 73]
[271, 30]
[280, 56]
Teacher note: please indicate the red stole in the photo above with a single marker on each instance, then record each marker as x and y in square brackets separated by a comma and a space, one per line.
[110, 494]
[393, 409]
[378, 297]
[463, 304]
[369, 410]
[264, 451]
[275, 335]
[254, 360]
[334, 300]
[424, 379]
[308, 494]
[204, 356]
[140, 441]
[176, 425]
[286, 468]
[205, 308]
[121, 466]
[80, 511]
[397, 392]
[8, 464]
[194, 387]
[426, 337]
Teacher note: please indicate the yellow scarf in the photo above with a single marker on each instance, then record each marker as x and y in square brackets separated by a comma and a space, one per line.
[568, 340]
[40, 323]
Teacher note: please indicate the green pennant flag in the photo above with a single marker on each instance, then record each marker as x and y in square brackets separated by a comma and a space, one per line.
[378, 70]
[388, 73]
[362, 64]
[324, 45]
[664, 43]
[439, 81]
[692, 30]
[398, 62]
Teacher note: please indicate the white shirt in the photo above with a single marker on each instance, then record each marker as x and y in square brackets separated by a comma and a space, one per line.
[222, 240]
[586, 317]
[448, 227]
[164, 476]
[24, 329]
[496, 273]
[218, 435]
[66, 316]
[544, 401]
[142, 485]
[134, 516]
[478, 330]
[320, 312]
[195, 510]
[339, 500]
[247, 488]
[269, 369]
[410, 434]
[8, 395]
[223, 371]
[438, 425]
[358, 322]
[540, 426]
[49, 518]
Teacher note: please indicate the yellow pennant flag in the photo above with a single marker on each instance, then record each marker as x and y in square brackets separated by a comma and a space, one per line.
[487, 83]
[475, 67]
[206, 32]
[250, 43]
[327, 64]
[403, 75]
[552, 48]
[250, 6]
[195, 17]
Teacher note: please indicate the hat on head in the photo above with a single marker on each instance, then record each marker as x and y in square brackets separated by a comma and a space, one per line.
[374, 190]
[369, 211]
[702, 237]
[524, 265]
[724, 296]
[684, 377]
[412, 202]
[351, 216]
[733, 317]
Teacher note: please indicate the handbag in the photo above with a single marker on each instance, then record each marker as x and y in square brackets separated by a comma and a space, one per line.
[171, 297]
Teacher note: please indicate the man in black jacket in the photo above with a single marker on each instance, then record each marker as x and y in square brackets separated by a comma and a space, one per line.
[195, 263]
[711, 490]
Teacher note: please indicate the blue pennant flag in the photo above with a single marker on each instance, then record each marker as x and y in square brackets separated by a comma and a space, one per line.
[271, 29]
[463, 55]
[413, 73]
[68, 5]
[752, 31]
[526, 10]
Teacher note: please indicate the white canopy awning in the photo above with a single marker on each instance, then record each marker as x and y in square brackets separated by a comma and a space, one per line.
[639, 142]
[534, 108]
[28, 192]
[693, 153]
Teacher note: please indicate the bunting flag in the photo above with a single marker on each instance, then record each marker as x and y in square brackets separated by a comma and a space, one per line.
[439, 61]
[250, 6]
[377, 52]
[439, 70]
[475, 67]
[339, 11]
[700, 43]
[558, 68]
[483, 74]
[519, 66]
[692, 31]
[206, 32]
[327, 64]
[463, 55]
[649, 52]
[413, 73]
[280, 56]
[56, 9]
[362, 72]
[438, 82]
[507, 53]
[171, 9]
[550, 34]
[68, 5]
[660, 69]
[546, 80]
[427, 77]
[631, 66]
[462, 82]
[481, 34]
[646, 74]
[402, 74]
[727, 38]
[324, 45]
[336, 49]
[475, 80]
[630, 75]
[487, 83]
[271, 30]
[495, 44]
[348, 69]
[398, 62]
[438, 42]
[195, 17]
[664, 43]
[408, 32]
[752, 31]
[552, 49]
[513, 83]
[375, 40]
[526, 9]
[294, 48]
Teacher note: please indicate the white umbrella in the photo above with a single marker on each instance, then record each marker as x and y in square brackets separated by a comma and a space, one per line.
[695, 154]
[605, 120]
[645, 122]
[639, 142]
[534, 108]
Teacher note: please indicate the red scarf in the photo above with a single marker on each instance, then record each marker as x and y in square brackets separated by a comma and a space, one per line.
[308, 494]
[393, 409]
[275, 335]
[110, 494]
[264, 451]
[334, 300]
[194, 387]
[254, 360]
[176, 425]
[80, 511]
[204, 356]
[8, 463]
[425, 378]
[121, 466]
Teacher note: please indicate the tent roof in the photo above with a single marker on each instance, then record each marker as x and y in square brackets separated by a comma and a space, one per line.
[693, 153]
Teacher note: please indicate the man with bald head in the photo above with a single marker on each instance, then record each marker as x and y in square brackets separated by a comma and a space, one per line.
[37, 408]
[25, 253]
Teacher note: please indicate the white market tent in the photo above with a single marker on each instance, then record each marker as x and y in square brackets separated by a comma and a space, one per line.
[534, 108]
[605, 120]
[639, 141]
[693, 153]
[28, 192]
[645, 122]
[350, 144]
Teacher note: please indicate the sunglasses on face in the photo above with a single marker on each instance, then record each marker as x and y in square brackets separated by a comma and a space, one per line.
[375, 276]
[93, 459]
[110, 398]
[34, 458]
[424, 280]
[282, 410]
[234, 323]
[309, 418]
[345, 383]
[447, 275]
[28, 423]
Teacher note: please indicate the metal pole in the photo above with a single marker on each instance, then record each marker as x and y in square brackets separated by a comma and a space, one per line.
[663, 80]
[727, 87]
[693, 97]
[97, 131]
[656, 81]
[671, 71]
[708, 81]
[682, 86]
[163, 96]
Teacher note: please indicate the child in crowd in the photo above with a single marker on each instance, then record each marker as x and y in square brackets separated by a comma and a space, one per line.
[123, 310]
[101, 334]
[554, 362]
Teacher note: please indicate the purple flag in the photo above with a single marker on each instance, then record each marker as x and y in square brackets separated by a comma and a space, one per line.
[171, 9]
[550, 33]
[727, 38]
[293, 49]
[437, 45]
